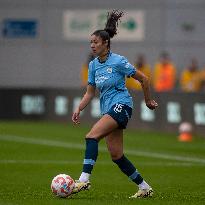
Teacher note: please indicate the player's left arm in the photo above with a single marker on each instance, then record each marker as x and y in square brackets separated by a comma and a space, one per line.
[144, 81]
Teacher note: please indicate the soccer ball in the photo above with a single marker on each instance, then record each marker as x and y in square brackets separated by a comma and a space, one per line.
[185, 127]
[62, 185]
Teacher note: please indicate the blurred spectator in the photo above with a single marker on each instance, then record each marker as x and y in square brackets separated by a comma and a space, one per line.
[189, 78]
[200, 78]
[84, 70]
[164, 74]
[141, 65]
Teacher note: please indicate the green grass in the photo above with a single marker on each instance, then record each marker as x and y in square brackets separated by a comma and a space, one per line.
[32, 153]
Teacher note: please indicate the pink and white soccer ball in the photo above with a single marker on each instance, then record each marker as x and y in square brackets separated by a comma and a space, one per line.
[62, 185]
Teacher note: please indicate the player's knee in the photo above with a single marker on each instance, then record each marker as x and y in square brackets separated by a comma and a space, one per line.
[92, 135]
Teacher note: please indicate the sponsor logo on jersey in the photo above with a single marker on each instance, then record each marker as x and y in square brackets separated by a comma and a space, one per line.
[101, 79]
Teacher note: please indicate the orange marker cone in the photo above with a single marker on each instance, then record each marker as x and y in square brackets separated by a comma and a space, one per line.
[185, 137]
[185, 132]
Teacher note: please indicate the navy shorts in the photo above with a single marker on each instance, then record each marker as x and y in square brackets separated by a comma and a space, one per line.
[121, 114]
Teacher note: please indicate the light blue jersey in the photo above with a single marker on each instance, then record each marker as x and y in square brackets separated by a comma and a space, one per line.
[109, 78]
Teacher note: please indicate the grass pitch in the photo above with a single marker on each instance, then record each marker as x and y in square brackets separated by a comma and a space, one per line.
[32, 153]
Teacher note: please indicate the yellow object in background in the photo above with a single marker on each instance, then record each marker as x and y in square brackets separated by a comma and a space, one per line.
[131, 83]
[142, 66]
[189, 80]
[84, 70]
[84, 75]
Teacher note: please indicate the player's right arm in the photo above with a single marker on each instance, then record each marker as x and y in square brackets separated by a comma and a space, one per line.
[90, 93]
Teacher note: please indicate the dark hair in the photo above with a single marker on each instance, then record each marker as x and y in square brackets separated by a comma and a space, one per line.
[111, 25]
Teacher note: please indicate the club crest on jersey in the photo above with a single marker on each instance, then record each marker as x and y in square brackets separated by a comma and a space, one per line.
[109, 70]
[127, 65]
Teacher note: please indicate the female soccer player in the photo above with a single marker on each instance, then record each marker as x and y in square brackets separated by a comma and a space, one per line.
[107, 72]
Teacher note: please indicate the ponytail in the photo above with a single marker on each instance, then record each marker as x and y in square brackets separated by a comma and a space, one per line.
[111, 25]
[112, 22]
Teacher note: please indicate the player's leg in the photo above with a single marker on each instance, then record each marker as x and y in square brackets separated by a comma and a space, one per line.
[103, 127]
[114, 143]
[115, 146]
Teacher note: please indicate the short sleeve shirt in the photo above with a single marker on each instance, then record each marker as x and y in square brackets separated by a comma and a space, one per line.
[109, 78]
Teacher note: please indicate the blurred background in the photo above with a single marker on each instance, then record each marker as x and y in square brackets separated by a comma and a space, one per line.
[44, 53]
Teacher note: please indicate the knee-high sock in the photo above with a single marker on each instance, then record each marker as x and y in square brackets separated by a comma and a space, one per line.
[129, 169]
[91, 153]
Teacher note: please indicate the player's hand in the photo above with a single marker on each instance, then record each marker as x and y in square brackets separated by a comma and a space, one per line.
[76, 116]
[151, 104]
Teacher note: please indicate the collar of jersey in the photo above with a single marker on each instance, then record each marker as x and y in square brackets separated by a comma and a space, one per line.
[109, 54]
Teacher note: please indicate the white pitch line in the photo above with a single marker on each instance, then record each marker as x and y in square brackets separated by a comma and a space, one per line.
[32, 161]
[54, 143]
[166, 156]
